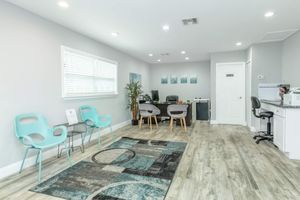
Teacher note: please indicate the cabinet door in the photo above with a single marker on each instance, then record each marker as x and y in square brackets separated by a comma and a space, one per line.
[279, 124]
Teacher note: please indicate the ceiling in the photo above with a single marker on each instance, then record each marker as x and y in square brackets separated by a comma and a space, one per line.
[221, 24]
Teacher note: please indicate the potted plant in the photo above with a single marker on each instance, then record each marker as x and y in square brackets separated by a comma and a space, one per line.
[134, 90]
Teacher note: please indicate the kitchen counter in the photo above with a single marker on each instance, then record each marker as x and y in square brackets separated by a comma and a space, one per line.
[280, 104]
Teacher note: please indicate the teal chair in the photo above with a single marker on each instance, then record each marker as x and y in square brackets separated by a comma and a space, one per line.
[33, 131]
[93, 120]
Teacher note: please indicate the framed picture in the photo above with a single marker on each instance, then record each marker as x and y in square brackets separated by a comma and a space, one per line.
[71, 116]
[174, 80]
[193, 79]
[134, 77]
[164, 80]
[184, 79]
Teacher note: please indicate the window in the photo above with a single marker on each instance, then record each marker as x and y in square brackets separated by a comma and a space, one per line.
[86, 75]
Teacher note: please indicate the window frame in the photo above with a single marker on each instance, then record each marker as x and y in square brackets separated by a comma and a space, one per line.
[87, 95]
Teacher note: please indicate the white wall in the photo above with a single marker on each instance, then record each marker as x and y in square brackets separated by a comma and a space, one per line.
[30, 74]
[184, 91]
[224, 57]
[291, 60]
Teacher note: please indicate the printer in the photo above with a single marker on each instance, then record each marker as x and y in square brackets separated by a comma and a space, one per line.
[292, 98]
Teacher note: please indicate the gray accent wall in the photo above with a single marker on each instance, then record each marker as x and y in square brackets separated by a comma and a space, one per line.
[226, 57]
[291, 60]
[266, 61]
[184, 91]
[30, 74]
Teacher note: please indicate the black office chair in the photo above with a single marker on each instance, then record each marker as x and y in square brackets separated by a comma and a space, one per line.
[172, 99]
[267, 135]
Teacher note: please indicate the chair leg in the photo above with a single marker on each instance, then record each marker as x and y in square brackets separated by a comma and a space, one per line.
[184, 123]
[68, 154]
[40, 166]
[141, 121]
[156, 121]
[181, 123]
[171, 124]
[37, 157]
[25, 155]
[82, 142]
[92, 130]
[150, 122]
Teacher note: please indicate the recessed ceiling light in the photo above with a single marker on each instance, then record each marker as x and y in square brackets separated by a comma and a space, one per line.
[115, 34]
[238, 44]
[63, 4]
[166, 27]
[158, 60]
[269, 14]
[150, 54]
[183, 52]
[187, 58]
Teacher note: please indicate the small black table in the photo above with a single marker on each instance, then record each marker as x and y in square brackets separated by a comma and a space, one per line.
[73, 130]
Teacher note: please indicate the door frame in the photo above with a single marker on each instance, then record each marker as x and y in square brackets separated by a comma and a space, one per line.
[243, 65]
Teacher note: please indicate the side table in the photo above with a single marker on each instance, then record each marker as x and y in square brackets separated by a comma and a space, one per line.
[73, 130]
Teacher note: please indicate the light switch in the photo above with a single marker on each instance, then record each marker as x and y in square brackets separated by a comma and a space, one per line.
[260, 77]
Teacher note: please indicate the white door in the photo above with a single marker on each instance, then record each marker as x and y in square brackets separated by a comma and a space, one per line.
[230, 93]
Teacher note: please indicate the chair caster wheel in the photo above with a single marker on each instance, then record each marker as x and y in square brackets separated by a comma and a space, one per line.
[257, 142]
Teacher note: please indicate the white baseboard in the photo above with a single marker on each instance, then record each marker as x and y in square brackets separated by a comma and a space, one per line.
[30, 161]
[252, 129]
[213, 122]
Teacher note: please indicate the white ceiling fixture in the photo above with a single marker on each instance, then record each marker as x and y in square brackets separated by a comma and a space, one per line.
[238, 44]
[269, 14]
[187, 58]
[142, 31]
[166, 27]
[115, 34]
[150, 54]
[158, 60]
[183, 52]
[63, 4]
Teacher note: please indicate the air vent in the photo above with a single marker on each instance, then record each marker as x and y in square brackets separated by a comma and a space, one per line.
[165, 54]
[190, 21]
[278, 35]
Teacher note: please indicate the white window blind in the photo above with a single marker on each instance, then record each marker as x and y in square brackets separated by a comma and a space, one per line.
[86, 75]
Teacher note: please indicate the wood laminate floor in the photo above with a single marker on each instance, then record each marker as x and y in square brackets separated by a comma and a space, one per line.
[220, 162]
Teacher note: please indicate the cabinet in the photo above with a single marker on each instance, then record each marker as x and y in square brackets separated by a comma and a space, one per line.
[286, 128]
[279, 128]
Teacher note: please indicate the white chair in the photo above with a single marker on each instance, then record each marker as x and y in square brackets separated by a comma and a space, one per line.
[148, 111]
[177, 111]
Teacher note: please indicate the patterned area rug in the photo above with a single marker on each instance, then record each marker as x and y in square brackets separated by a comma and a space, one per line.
[128, 169]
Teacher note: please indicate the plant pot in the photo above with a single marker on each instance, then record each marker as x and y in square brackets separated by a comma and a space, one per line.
[134, 122]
